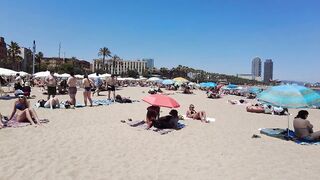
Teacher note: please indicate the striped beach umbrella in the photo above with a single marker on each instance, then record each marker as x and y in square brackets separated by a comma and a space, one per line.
[290, 96]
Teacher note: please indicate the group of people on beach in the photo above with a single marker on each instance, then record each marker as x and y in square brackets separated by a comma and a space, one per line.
[90, 87]
[171, 121]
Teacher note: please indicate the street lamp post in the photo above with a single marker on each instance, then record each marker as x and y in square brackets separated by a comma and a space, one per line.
[33, 57]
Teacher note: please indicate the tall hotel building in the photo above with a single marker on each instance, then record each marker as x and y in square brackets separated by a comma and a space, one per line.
[256, 67]
[268, 70]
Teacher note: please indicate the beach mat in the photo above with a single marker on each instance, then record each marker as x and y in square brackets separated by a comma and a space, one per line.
[15, 124]
[210, 119]
[7, 97]
[141, 125]
[283, 134]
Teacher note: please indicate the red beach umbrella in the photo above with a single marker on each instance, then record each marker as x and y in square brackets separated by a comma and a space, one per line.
[161, 100]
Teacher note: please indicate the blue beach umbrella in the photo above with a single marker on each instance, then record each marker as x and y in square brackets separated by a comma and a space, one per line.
[254, 90]
[167, 82]
[290, 96]
[232, 86]
[208, 84]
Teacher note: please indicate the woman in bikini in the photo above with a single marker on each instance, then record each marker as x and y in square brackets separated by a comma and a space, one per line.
[192, 113]
[303, 128]
[87, 84]
[23, 113]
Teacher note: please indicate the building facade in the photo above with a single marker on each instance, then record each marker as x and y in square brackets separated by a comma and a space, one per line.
[26, 59]
[120, 66]
[150, 63]
[256, 67]
[268, 70]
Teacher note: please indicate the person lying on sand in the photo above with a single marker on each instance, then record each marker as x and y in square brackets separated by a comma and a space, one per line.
[193, 114]
[23, 112]
[52, 103]
[303, 128]
[238, 102]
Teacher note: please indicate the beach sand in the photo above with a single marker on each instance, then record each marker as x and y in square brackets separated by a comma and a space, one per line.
[92, 143]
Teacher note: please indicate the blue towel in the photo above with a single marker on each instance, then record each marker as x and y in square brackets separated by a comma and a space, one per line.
[283, 134]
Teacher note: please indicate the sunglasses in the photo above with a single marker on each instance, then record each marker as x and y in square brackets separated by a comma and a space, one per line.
[21, 97]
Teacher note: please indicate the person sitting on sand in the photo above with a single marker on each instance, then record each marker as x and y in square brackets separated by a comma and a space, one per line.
[238, 102]
[23, 112]
[167, 122]
[153, 113]
[192, 113]
[187, 90]
[303, 128]
[52, 103]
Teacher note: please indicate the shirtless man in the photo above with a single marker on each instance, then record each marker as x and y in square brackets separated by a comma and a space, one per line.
[303, 128]
[111, 86]
[51, 83]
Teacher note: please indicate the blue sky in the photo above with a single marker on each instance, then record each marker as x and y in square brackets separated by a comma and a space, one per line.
[217, 36]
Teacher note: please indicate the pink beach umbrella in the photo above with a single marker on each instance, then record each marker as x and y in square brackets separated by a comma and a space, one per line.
[161, 100]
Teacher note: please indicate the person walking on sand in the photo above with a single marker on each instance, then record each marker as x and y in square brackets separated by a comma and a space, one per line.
[98, 84]
[51, 83]
[111, 86]
[87, 85]
[72, 90]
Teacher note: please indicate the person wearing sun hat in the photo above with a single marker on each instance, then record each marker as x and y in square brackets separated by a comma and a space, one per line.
[22, 112]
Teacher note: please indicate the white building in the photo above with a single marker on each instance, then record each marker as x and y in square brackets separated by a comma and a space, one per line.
[120, 66]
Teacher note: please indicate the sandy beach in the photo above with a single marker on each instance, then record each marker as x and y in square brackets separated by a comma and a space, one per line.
[92, 143]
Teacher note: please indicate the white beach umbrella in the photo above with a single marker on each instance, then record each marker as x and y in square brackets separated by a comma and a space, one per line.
[42, 74]
[7, 72]
[155, 79]
[93, 75]
[79, 76]
[22, 73]
[105, 75]
[130, 79]
[65, 75]
[120, 79]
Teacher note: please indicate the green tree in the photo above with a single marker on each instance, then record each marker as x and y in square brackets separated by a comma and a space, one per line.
[104, 52]
[39, 56]
[133, 73]
[13, 54]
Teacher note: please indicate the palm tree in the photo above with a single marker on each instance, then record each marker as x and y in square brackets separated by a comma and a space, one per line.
[115, 61]
[38, 58]
[104, 52]
[13, 53]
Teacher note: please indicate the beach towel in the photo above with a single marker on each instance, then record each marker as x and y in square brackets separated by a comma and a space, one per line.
[99, 102]
[283, 134]
[141, 125]
[209, 119]
[13, 123]
[7, 97]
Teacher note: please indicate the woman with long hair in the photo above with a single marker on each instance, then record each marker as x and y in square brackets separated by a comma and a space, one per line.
[303, 128]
